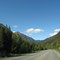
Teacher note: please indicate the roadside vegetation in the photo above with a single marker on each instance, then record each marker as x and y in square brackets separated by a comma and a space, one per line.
[52, 42]
[11, 44]
[58, 50]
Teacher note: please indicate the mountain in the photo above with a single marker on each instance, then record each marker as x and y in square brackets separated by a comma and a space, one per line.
[53, 41]
[28, 38]
[25, 36]
[38, 41]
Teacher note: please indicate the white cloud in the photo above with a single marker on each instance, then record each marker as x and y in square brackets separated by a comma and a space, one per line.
[52, 34]
[32, 30]
[15, 26]
[57, 30]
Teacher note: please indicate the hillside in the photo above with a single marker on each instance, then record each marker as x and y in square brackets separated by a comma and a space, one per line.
[24, 36]
[16, 43]
[30, 39]
[53, 41]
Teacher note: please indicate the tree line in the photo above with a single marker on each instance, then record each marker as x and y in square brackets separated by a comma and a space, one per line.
[11, 43]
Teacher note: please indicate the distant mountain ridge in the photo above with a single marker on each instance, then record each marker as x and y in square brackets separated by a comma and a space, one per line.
[27, 37]
[38, 41]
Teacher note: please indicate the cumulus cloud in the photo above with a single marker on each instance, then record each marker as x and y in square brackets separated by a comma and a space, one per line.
[55, 32]
[15, 26]
[52, 34]
[32, 30]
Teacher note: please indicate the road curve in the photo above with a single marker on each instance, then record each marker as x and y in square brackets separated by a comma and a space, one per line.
[43, 55]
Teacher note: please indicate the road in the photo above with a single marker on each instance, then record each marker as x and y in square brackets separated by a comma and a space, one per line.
[43, 55]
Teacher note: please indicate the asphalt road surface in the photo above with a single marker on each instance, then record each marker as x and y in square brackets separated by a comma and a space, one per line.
[43, 55]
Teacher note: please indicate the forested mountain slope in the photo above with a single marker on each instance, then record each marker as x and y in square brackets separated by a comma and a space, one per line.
[16, 43]
[53, 41]
[25, 36]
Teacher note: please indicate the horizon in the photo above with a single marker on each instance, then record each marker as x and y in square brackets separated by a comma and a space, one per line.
[38, 19]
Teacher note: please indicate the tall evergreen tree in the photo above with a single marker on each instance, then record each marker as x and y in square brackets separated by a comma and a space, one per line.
[5, 39]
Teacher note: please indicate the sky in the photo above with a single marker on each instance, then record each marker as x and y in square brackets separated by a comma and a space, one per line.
[38, 19]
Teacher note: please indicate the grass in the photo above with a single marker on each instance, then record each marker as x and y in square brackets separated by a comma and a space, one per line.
[14, 55]
[58, 50]
[22, 54]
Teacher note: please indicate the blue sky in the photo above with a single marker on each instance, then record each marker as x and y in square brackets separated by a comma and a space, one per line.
[38, 19]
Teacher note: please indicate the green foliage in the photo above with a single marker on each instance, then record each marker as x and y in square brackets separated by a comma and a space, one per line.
[17, 41]
[13, 43]
[52, 42]
[1, 39]
[5, 40]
